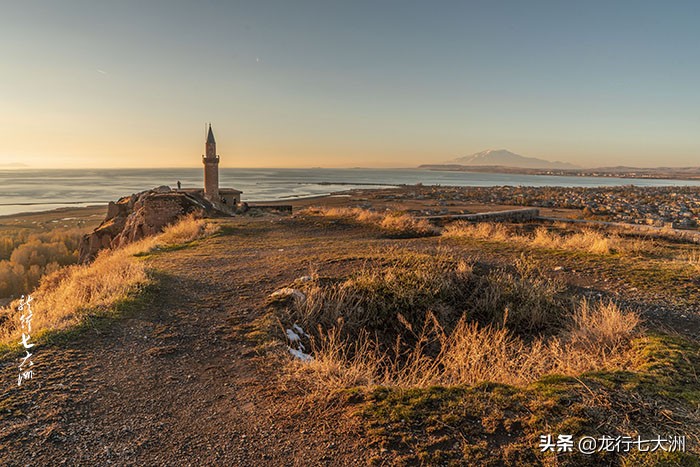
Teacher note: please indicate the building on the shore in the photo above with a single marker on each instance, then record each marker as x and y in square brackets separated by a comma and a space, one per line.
[227, 196]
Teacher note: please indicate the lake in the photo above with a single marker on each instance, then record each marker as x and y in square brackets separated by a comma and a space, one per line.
[40, 190]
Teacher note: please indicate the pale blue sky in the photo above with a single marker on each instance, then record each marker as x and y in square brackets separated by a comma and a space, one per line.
[341, 83]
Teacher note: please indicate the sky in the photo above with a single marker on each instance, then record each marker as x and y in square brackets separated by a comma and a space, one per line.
[333, 83]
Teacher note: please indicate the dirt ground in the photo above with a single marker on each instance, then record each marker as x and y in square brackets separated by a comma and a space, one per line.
[176, 384]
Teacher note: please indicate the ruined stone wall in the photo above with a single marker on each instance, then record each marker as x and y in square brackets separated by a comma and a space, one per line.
[140, 215]
[495, 216]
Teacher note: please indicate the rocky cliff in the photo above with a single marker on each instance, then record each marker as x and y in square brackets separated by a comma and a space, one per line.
[140, 215]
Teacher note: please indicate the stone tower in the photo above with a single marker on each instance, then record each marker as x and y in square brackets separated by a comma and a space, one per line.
[211, 168]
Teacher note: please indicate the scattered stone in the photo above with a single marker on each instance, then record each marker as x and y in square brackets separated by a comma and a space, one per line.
[298, 354]
[289, 292]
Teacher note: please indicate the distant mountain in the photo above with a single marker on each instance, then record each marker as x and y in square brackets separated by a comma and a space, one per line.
[13, 165]
[503, 157]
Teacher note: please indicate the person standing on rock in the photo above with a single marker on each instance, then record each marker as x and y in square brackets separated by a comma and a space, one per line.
[179, 185]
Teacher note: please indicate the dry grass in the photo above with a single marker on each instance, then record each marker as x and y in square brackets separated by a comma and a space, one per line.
[65, 296]
[412, 285]
[588, 240]
[521, 298]
[426, 320]
[693, 259]
[371, 296]
[598, 338]
[392, 224]
[188, 229]
[524, 300]
[601, 328]
[481, 230]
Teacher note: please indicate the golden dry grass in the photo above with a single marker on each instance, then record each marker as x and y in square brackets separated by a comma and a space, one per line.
[602, 328]
[481, 230]
[392, 224]
[187, 229]
[693, 259]
[419, 321]
[588, 240]
[65, 296]
[598, 338]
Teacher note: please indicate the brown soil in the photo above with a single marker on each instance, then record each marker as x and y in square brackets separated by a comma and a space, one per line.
[179, 383]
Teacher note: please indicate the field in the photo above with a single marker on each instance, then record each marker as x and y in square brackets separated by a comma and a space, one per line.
[342, 337]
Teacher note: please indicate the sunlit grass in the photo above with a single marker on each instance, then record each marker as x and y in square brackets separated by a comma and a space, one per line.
[64, 297]
[392, 224]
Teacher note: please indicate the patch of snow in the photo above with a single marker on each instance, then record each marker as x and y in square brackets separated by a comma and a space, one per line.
[292, 336]
[299, 330]
[300, 355]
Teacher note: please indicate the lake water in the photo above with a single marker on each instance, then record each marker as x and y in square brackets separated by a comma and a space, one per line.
[40, 190]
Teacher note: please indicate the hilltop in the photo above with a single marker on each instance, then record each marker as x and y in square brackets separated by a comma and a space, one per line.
[195, 365]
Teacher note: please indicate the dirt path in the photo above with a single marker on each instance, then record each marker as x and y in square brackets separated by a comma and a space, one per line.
[175, 385]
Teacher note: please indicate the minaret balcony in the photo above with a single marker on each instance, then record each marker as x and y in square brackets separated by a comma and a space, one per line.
[210, 160]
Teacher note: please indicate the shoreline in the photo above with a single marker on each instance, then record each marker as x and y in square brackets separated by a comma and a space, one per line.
[58, 210]
[438, 200]
[631, 173]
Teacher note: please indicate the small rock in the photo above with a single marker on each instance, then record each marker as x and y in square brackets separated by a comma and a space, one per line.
[289, 292]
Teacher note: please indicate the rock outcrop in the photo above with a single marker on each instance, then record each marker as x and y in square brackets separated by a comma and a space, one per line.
[140, 215]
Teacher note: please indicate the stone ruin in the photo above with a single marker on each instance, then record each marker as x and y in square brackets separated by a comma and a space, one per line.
[142, 214]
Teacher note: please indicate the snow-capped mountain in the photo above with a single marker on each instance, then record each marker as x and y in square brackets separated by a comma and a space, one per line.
[506, 158]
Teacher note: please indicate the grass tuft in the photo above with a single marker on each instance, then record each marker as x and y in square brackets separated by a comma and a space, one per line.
[392, 224]
[587, 240]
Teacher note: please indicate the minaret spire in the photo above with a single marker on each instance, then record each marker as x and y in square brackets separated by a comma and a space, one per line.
[210, 136]
[211, 168]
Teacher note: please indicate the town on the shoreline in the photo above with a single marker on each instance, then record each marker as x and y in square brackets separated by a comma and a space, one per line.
[676, 207]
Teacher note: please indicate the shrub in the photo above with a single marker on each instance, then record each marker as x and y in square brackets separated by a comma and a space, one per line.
[601, 328]
[371, 297]
[693, 259]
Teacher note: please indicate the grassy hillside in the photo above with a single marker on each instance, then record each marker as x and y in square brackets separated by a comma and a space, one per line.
[388, 342]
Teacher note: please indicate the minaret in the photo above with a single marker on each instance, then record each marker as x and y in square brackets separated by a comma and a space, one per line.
[211, 169]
